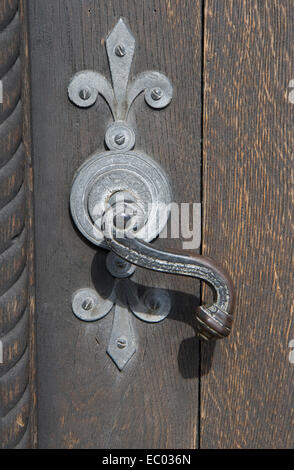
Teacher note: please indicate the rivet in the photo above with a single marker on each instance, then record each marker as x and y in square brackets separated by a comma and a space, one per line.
[156, 94]
[117, 267]
[87, 304]
[120, 139]
[120, 263]
[120, 51]
[85, 93]
[154, 304]
[121, 343]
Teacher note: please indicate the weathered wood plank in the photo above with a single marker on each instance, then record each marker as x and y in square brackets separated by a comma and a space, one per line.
[84, 401]
[247, 397]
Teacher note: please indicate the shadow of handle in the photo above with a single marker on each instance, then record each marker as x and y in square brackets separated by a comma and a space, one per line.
[214, 321]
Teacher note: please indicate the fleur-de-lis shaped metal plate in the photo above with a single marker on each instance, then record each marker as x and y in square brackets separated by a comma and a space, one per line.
[88, 194]
[85, 86]
[152, 307]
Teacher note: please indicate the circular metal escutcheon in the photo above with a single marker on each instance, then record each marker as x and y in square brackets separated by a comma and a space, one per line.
[153, 307]
[105, 175]
[119, 136]
[118, 267]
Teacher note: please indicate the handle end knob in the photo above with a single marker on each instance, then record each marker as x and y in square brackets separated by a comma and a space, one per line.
[213, 323]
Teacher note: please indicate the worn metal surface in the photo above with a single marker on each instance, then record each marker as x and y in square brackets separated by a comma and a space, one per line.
[105, 174]
[214, 321]
[85, 86]
[153, 307]
[118, 267]
[94, 404]
[90, 197]
[88, 305]
[120, 136]
[122, 343]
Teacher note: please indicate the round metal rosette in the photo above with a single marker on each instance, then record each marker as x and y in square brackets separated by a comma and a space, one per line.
[153, 307]
[130, 176]
[88, 305]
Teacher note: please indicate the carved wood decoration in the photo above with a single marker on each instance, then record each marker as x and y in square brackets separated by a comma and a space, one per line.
[17, 400]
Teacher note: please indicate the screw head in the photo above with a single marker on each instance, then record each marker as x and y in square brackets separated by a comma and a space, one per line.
[121, 222]
[120, 139]
[87, 304]
[156, 94]
[120, 135]
[120, 50]
[154, 304]
[85, 93]
[121, 343]
[117, 267]
[120, 263]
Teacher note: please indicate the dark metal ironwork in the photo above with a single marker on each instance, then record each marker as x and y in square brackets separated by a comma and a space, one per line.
[214, 321]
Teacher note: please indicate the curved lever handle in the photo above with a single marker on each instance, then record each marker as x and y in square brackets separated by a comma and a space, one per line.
[214, 321]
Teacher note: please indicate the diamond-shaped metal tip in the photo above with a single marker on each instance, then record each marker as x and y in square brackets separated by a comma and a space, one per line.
[120, 33]
[122, 344]
[120, 46]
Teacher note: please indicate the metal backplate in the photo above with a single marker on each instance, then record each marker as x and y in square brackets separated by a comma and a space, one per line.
[86, 85]
[106, 174]
[127, 183]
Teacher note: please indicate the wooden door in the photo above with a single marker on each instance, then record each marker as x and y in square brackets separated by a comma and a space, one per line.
[226, 142]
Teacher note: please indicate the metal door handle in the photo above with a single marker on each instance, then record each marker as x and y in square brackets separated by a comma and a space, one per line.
[110, 202]
[213, 321]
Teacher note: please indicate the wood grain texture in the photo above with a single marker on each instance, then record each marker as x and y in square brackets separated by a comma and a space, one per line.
[84, 401]
[30, 437]
[247, 397]
[16, 332]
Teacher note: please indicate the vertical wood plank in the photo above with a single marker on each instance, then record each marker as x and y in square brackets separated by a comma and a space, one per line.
[84, 401]
[17, 335]
[32, 433]
[247, 397]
